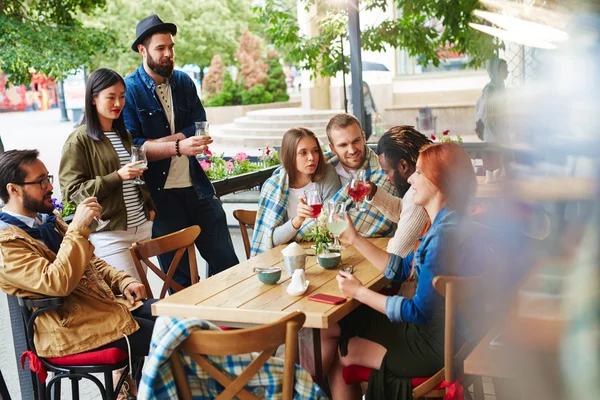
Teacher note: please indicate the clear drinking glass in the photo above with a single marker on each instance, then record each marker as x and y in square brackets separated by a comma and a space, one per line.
[337, 224]
[138, 153]
[80, 195]
[201, 130]
[357, 188]
[314, 199]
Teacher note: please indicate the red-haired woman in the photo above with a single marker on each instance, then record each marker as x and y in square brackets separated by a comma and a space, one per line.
[396, 336]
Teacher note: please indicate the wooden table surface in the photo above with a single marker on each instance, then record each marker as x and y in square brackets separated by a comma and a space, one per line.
[236, 297]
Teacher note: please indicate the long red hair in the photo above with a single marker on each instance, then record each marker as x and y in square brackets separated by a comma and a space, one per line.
[449, 168]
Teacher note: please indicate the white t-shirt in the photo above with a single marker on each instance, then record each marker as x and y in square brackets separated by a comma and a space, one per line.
[179, 171]
[345, 176]
[294, 199]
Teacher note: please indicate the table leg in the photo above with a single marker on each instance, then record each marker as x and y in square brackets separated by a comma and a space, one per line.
[309, 344]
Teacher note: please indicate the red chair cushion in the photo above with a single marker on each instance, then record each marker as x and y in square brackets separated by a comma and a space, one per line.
[356, 374]
[109, 356]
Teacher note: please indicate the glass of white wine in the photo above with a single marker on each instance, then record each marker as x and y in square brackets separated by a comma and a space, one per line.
[138, 153]
[201, 130]
[337, 224]
[80, 195]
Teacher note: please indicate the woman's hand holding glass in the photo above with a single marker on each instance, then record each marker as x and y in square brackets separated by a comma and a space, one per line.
[131, 170]
[350, 235]
[303, 212]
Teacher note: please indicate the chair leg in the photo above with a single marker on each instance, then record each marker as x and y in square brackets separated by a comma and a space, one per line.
[57, 390]
[478, 388]
[109, 385]
[75, 388]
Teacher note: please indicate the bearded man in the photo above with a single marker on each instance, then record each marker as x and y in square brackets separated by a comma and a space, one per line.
[161, 109]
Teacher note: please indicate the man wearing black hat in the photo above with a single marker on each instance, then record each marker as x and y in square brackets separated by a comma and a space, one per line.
[160, 111]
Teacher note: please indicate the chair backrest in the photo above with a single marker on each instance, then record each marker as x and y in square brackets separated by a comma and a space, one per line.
[246, 218]
[179, 241]
[31, 308]
[265, 339]
[469, 295]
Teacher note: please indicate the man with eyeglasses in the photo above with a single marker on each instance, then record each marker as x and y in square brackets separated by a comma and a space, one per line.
[40, 255]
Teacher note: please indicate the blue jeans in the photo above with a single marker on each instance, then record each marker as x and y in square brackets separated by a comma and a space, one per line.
[180, 208]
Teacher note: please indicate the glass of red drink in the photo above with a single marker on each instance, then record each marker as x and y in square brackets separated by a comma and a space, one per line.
[314, 199]
[358, 187]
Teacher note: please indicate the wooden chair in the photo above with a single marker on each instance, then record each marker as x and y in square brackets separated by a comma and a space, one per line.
[473, 296]
[246, 218]
[266, 339]
[177, 241]
[464, 294]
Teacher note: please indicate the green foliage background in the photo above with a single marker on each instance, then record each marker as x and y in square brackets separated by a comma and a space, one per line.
[45, 35]
[422, 27]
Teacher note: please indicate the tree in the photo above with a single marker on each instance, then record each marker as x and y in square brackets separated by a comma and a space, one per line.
[426, 29]
[253, 70]
[205, 28]
[276, 80]
[213, 81]
[45, 36]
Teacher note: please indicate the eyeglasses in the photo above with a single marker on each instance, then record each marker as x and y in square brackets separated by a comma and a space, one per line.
[42, 182]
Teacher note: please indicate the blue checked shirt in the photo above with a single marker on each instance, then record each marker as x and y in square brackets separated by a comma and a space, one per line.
[369, 223]
[158, 381]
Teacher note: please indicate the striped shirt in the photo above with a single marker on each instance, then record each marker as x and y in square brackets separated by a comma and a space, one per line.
[131, 192]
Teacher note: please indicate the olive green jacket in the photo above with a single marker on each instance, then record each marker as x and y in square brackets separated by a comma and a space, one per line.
[94, 165]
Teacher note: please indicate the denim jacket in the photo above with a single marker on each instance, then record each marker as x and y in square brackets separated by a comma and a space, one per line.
[146, 119]
[448, 248]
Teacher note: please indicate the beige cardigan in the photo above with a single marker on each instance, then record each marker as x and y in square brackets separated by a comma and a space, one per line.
[411, 220]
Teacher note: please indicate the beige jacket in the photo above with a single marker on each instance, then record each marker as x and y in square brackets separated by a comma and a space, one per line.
[90, 317]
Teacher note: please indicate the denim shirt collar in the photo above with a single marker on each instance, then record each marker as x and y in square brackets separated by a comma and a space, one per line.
[148, 81]
[444, 214]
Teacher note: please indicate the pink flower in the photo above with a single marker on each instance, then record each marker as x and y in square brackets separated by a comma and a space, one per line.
[205, 164]
[446, 132]
[433, 137]
[241, 157]
[207, 152]
[267, 150]
[229, 166]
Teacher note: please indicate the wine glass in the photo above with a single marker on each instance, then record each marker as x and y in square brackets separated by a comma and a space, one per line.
[201, 130]
[80, 195]
[314, 199]
[337, 224]
[138, 153]
[358, 186]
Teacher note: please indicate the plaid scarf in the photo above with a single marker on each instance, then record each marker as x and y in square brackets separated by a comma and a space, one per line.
[371, 222]
[272, 203]
[158, 381]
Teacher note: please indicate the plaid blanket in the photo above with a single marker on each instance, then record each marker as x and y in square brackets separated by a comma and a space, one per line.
[158, 381]
[271, 207]
[371, 222]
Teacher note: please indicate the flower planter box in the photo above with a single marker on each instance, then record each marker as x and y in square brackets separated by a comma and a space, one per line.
[240, 182]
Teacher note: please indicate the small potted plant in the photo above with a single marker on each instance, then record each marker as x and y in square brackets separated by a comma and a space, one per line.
[319, 233]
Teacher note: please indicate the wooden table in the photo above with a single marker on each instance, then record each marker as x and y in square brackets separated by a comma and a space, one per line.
[237, 298]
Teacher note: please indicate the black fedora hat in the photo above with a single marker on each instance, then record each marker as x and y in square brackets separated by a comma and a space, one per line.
[150, 25]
